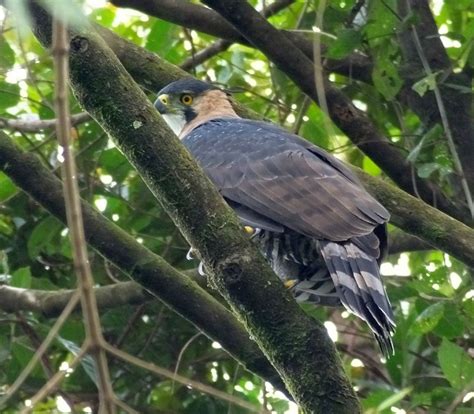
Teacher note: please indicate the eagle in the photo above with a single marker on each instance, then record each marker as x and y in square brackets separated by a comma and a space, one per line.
[322, 233]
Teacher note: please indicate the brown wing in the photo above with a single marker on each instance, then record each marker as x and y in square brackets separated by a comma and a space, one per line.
[285, 179]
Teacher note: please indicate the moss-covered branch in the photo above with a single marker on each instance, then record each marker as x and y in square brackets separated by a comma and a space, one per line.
[419, 219]
[296, 345]
[147, 269]
[51, 303]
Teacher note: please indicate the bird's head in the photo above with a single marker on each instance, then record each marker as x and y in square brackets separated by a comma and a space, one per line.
[188, 100]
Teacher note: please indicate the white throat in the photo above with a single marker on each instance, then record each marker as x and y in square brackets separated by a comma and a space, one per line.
[175, 121]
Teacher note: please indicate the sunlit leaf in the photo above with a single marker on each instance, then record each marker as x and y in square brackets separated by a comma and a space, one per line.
[428, 319]
[21, 278]
[347, 41]
[456, 364]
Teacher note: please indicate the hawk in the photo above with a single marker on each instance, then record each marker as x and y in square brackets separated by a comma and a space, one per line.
[323, 234]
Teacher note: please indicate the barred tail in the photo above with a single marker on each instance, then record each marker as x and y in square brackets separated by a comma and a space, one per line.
[357, 280]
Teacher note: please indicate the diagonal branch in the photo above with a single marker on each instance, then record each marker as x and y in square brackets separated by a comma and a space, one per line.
[223, 44]
[202, 19]
[353, 122]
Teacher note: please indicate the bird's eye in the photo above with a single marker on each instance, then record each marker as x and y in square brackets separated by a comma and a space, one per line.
[186, 99]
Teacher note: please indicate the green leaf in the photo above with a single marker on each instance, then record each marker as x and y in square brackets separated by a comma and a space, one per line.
[428, 319]
[42, 235]
[371, 167]
[346, 42]
[426, 84]
[87, 361]
[9, 95]
[21, 278]
[386, 78]
[105, 16]
[425, 170]
[7, 55]
[450, 325]
[433, 134]
[7, 188]
[393, 399]
[158, 40]
[456, 364]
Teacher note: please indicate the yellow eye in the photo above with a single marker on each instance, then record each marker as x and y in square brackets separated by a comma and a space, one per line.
[186, 99]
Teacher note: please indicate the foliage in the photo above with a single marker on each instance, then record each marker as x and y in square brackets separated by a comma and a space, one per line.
[432, 370]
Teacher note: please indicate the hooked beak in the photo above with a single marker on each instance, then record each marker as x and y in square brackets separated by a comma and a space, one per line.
[161, 104]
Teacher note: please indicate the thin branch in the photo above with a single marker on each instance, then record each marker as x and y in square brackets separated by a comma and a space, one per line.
[400, 242]
[318, 70]
[163, 372]
[73, 301]
[40, 124]
[54, 382]
[60, 48]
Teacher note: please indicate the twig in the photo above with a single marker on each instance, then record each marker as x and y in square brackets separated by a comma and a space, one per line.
[181, 353]
[54, 382]
[163, 372]
[41, 349]
[60, 45]
[318, 70]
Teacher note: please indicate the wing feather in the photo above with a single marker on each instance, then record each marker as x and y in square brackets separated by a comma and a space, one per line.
[285, 179]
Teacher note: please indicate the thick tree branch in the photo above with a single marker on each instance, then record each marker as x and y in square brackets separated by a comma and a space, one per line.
[51, 303]
[223, 44]
[421, 220]
[202, 19]
[233, 263]
[144, 267]
[353, 122]
[458, 106]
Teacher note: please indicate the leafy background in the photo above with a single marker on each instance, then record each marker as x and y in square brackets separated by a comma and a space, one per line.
[432, 370]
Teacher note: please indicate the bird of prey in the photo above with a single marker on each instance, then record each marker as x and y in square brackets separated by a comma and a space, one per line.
[319, 229]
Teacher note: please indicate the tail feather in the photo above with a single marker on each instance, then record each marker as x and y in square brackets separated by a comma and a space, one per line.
[357, 280]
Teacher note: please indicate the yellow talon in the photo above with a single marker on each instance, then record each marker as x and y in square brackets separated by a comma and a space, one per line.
[249, 230]
[290, 283]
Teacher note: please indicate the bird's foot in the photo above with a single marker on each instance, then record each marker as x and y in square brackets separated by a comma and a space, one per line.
[290, 283]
